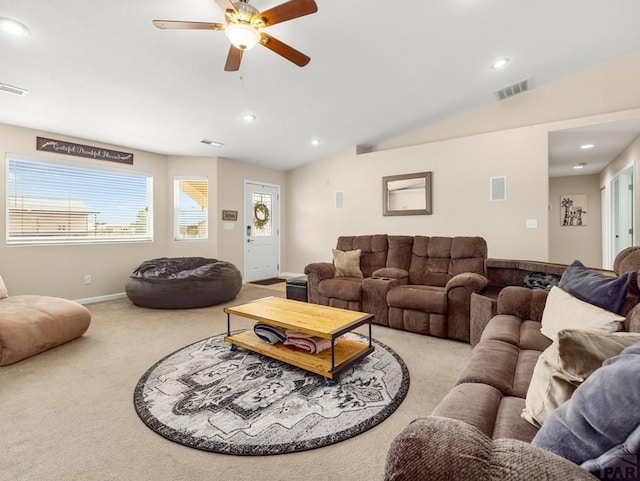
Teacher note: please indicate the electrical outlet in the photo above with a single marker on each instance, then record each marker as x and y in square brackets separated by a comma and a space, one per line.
[87, 279]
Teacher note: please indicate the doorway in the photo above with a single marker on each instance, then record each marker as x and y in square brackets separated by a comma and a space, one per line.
[261, 231]
[622, 216]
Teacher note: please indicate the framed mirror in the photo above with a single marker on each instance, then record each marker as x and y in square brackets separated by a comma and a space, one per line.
[407, 194]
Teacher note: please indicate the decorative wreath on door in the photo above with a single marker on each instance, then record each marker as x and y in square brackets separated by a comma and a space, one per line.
[261, 215]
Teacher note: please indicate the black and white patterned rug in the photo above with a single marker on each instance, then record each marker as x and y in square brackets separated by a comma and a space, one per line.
[208, 397]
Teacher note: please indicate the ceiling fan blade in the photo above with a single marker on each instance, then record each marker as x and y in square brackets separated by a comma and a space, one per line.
[226, 6]
[233, 59]
[283, 49]
[287, 11]
[176, 24]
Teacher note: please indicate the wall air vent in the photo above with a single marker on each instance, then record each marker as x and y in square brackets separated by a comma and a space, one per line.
[511, 90]
[13, 90]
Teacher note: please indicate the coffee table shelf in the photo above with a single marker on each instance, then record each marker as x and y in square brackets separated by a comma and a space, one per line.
[322, 321]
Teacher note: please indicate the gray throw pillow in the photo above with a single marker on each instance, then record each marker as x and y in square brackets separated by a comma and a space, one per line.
[608, 293]
[598, 427]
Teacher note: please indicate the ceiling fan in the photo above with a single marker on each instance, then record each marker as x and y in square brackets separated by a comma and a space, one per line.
[244, 24]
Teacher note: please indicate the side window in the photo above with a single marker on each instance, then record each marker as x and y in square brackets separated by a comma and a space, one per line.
[191, 206]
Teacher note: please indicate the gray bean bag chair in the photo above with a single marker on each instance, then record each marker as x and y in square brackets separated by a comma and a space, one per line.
[183, 283]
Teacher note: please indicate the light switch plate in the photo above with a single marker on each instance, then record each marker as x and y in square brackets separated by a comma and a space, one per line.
[532, 223]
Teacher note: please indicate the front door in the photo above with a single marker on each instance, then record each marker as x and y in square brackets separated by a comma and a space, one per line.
[262, 231]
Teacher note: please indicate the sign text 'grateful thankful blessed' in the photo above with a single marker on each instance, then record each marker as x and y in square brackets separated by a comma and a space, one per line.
[79, 150]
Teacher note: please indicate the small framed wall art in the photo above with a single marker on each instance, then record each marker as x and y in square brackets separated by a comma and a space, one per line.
[229, 215]
[573, 210]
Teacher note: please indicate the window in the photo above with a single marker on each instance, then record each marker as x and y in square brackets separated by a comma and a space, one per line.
[191, 205]
[262, 222]
[56, 202]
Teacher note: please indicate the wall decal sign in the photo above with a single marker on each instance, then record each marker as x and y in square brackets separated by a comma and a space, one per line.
[79, 150]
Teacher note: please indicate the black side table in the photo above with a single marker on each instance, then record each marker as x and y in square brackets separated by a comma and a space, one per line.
[297, 288]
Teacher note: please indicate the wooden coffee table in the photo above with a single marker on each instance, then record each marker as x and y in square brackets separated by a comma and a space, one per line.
[322, 321]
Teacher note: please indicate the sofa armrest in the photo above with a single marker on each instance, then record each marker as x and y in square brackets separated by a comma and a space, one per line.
[320, 270]
[317, 272]
[391, 273]
[522, 302]
[438, 448]
[469, 280]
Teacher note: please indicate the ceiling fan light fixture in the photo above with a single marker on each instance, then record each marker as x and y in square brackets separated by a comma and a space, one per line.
[242, 35]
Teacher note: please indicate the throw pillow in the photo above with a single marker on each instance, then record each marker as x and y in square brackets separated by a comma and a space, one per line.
[563, 311]
[567, 363]
[347, 263]
[608, 293]
[598, 427]
[3, 289]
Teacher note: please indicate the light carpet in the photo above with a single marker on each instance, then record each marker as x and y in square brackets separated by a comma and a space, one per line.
[67, 413]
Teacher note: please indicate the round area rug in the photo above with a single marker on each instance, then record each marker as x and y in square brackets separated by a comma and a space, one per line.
[208, 397]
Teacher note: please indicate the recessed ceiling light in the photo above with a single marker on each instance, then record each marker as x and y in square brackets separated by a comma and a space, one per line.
[587, 146]
[213, 143]
[315, 142]
[13, 27]
[248, 117]
[581, 165]
[500, 63]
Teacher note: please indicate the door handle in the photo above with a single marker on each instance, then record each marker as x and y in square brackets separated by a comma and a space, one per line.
[250, 240]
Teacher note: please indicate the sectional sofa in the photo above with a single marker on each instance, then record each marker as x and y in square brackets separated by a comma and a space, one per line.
[575, 411]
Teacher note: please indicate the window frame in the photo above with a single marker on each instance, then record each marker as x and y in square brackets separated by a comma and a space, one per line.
[148, 236]
[177, 236]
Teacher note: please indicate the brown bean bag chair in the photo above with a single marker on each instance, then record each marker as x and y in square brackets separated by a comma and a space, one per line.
[183, 283]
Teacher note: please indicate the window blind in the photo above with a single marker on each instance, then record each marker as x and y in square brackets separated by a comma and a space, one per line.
[191, 219]
[49, 202]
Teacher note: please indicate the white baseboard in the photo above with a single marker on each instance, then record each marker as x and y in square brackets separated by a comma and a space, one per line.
[109, 297]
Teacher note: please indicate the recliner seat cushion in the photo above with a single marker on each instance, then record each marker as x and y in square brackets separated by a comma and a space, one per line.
[501, 365]
[419, 298]
[524, 334]
[345, 288]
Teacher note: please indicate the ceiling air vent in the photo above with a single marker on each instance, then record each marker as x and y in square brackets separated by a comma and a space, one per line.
[511, 90]
[13, 90]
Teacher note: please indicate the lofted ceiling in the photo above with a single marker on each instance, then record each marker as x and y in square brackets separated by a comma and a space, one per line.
[100, 71]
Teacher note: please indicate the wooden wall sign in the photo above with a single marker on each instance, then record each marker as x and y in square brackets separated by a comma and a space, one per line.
[79, 150]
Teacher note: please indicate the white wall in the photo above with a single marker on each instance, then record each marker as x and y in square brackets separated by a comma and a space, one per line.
[461, 206]
[567, 244]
